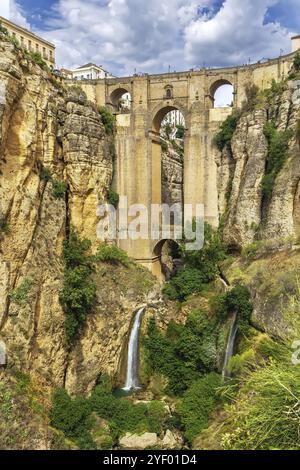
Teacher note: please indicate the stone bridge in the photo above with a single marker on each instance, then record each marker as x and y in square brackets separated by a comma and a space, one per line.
[138, 144]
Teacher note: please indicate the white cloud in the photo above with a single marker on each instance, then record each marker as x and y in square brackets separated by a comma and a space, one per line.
[4, 8]
[17, 15]
[124, 35]
[237, 32]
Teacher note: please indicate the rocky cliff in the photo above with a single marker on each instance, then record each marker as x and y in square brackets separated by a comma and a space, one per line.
[56, 165]
[241, 169]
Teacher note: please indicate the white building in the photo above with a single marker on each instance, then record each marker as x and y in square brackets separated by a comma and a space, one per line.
[174, 118]
[90, 72]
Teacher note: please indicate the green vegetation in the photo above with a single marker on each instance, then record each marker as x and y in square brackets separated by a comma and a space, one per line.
[19, 295]
[252, 92]
[200, 267]
[45, 173]
[250, 251]
[197, 405]
[278, 142]
[3, 30]
[113, 198]
[74, 416]
[266, 414]
[59, 189]
[37, 59]
[112, 254]
[4, 226]
[78, 294]
[185, 352]
[180, 131]
[296, 64]
[223, 137]
[164, 146]
[298, 131]
[237, 300]
[108, 120]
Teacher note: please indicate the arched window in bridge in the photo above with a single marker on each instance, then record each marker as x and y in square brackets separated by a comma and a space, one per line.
[121, 100]
[223, 95]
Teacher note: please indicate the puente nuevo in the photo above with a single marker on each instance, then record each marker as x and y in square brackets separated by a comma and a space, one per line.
[138, 143]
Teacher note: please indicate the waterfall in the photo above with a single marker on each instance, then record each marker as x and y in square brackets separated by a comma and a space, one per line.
[230, 347]
[132, 379]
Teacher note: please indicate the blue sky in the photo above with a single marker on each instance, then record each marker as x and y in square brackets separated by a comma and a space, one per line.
[148, 36]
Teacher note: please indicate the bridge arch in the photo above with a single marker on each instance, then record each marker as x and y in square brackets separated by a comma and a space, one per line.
[116, 96]
[221, 90]
[160, 112]
[167, 251]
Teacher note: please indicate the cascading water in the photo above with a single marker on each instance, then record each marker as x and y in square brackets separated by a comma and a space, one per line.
[230, 347]
[132, 379]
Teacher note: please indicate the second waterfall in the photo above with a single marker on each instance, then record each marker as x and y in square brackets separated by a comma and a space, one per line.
[132, 376]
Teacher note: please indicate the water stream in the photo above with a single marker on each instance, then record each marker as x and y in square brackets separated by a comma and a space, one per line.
[132, 376]
[230, 347]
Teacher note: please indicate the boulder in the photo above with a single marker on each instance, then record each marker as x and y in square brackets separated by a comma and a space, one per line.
[138, 442]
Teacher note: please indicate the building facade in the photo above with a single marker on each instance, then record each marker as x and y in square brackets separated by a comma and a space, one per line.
[90, 72]
[31, 41]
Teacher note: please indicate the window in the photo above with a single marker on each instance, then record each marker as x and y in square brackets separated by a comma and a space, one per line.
[37, 47]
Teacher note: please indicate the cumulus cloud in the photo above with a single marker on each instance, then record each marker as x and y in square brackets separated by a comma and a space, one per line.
[237, 32]
[124, 35]
[17, 15]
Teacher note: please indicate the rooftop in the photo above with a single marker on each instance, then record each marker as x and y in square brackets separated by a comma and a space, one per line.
[89, 65]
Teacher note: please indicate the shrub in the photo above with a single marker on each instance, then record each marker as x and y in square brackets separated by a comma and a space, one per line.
[72, 417]
[250, 251]
[37, 58]
[78, 294]
[200, 267]
[278, 143]
[237, 300]
[108, 120]
[112, 254]
[180, 131]
[59, 189]
[123, 416]
[113, 198]
[4, 226]
[156, 416]
[223, 137]
[251, 98]
[197, 405]
[3, 30]
[188, 281]
[184, 353]
[20, 295]
[296, 64]
[45, 173]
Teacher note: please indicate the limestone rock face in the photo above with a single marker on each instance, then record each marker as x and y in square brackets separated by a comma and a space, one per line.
[51, 134]
[172, 174]
[138, 442]
[240, 174]
[43, 126]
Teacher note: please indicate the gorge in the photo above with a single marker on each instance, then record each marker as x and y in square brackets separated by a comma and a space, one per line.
[67, 299]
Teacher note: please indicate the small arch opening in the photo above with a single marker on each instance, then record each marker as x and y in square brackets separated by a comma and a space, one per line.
[121, 100]
[222, 93]
[168, 252]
